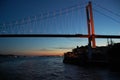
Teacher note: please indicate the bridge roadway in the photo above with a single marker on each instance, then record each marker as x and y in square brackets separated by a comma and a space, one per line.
[58, 35]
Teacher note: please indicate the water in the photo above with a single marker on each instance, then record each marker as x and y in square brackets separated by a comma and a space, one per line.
[50, 68]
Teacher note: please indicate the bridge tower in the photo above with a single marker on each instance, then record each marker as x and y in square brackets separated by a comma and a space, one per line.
[91, 32]
[90, 24]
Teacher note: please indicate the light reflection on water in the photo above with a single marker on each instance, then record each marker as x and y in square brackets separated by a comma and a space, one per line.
[50, 68]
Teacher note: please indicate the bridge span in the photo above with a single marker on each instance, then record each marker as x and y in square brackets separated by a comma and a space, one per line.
[59, 35]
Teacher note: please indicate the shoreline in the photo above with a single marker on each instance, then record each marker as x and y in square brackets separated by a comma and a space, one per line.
[104, 56]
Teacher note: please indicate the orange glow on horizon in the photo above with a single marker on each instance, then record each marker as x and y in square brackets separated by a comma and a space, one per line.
[45, 53]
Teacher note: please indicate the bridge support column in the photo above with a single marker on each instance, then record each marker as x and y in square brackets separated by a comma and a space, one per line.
[91, 32]
[90, 22]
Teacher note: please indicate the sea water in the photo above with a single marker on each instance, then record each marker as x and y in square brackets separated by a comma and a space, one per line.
[50, 68]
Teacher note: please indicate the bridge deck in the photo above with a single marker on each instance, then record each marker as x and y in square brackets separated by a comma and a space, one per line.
[58, 35]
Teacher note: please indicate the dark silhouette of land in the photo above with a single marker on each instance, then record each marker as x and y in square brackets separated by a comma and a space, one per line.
[9, 57]
[104, 56]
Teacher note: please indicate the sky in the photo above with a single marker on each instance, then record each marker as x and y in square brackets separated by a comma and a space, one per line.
[106, 21]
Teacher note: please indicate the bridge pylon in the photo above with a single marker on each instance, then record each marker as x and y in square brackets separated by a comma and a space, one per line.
[90, 24]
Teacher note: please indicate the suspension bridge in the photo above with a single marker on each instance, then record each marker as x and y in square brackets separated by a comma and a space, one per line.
[53, 24]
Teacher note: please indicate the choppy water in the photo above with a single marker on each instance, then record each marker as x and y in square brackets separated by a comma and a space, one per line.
[50, 68]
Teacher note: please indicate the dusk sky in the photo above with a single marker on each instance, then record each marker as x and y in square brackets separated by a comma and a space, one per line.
[62, 17]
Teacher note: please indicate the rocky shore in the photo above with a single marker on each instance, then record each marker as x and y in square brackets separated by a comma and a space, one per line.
[104, 56]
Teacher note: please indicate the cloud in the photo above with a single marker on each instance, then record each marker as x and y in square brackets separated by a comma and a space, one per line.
[42, 49]
[45, 49]
[64, 47]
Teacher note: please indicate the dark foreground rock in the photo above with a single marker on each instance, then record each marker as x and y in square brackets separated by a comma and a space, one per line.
[104, 56]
